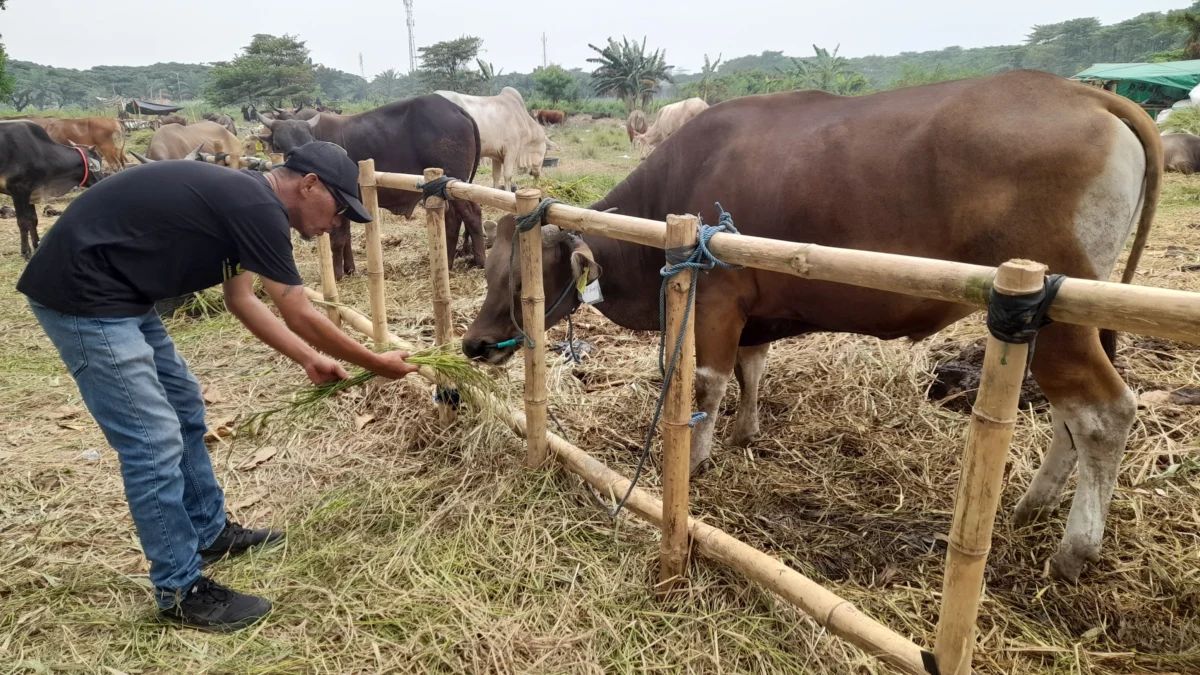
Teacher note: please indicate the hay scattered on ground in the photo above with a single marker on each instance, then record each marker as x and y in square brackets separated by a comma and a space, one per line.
[414, 548]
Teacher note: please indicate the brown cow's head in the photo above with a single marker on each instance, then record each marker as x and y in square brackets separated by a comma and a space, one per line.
[287, 135]
[565, 259]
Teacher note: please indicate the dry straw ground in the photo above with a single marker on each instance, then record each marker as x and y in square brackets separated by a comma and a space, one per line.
[418, 549]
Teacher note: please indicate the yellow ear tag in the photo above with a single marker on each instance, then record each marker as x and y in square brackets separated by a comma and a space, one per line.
[581, 283]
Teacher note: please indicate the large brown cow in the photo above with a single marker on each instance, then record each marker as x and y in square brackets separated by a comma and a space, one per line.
[1181, 152]
[976, 171]
[103, 133]
[549, 117]
[403, 137]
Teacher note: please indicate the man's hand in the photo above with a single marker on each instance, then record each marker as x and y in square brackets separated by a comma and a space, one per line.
[322, 369]
[392, 366]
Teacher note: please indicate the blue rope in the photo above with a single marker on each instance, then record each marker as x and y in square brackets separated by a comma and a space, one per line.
[697, 258]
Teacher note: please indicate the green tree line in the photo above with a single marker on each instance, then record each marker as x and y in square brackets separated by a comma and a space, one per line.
[278, 70]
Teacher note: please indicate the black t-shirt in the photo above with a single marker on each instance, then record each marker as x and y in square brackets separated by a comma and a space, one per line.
[159, 231]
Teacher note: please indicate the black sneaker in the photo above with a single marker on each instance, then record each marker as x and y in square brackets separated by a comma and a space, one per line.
[235, 540]
[212, 607]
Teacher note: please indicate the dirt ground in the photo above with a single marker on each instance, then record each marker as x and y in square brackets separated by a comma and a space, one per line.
[413, 548]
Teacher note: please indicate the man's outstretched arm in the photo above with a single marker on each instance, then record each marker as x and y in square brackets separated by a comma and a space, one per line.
[305, 326]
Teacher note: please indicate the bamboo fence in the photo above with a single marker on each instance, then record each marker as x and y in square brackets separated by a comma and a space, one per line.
[1149, 311]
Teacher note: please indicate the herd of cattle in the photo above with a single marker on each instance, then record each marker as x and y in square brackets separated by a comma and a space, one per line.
[974, 171]
[448, 130]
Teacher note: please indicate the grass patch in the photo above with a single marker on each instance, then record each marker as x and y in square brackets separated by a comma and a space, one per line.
[577, 190]
[139, 141]
[416, 547]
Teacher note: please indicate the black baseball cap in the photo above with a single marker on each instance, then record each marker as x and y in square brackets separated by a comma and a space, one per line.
[336, 170]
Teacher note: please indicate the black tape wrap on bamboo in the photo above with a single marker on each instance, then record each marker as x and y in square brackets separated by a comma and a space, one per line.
[1016, 319]
[436, 188]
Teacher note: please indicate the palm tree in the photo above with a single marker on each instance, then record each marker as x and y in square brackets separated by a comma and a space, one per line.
[387, 84]
[705, 88]
[828, 72]
[627, 72]
[1190, 21]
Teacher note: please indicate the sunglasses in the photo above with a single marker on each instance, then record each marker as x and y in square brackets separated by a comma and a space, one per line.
[342, 206]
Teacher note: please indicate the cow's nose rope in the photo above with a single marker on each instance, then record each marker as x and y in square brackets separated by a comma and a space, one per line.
[697, 258]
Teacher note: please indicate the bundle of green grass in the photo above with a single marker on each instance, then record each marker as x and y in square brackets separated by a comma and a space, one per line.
[451, 367]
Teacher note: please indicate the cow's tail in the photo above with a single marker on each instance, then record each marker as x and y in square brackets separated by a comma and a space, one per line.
[1146, 131]
[478, 148]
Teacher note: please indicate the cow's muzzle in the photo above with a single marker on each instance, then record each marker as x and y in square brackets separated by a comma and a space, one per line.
[489, 352]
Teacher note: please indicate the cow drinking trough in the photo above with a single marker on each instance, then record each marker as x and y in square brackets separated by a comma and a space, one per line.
[1149, 311]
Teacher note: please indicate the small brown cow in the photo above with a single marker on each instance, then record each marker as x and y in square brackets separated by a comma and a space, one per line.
[548, 117]
[172, 119]
[103, 133]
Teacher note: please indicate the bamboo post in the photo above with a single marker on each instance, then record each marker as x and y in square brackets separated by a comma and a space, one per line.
[533, 316]
[234, 160]
[439, 270]
[991, 430]
[370, 199]
[276, 159]
[328, 280]
[677, 430]
[218, 148]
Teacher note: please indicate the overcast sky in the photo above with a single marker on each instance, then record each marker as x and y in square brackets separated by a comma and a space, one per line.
[141, 32]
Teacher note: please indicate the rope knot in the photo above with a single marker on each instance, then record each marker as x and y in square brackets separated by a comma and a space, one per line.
[435, 188]
[1016, 319]
[536, 217]
[698, 257]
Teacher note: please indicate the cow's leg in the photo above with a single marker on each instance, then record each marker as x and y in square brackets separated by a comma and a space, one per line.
[471, 216]
[348, 255]
[751, 364]
[497, 172]
[1093, 411]
[1042, 497]
[716, 353]
[510, 172]
[27, 222]
[338, 237]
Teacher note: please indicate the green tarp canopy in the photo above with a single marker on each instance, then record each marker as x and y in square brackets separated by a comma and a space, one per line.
[1151, 84]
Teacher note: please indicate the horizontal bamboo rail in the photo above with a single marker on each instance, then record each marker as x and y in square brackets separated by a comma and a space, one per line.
[829, 610]
[1146, 310]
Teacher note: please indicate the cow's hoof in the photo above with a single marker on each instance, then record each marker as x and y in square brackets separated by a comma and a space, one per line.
[742, 437]
[698, 464]
[1068, 563]
[1028, 512]
[351, 272]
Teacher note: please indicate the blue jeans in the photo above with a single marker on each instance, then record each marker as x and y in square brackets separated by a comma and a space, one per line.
[151, 410]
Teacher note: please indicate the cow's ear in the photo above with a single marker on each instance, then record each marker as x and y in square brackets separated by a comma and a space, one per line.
[507, 227]
[582, 261]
